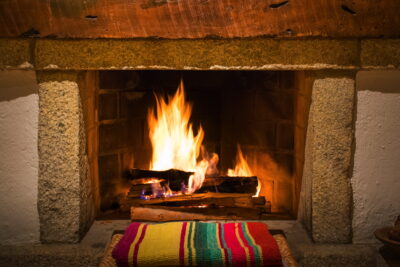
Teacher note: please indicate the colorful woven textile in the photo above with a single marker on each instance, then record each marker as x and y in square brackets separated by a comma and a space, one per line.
[197, 244]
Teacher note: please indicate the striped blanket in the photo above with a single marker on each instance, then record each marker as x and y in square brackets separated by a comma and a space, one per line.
[197, 244]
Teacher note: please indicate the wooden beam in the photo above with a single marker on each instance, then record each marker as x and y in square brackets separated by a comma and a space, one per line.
[199, 19]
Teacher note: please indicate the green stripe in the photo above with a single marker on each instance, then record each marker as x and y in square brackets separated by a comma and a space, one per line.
[214, 254]
[253, 245]
[200, 242]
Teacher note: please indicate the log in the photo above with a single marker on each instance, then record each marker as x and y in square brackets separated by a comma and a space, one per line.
[165, 214]
[174, 178]
[230, 184]
[209, 199]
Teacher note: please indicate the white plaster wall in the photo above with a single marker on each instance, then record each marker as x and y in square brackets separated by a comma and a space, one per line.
[376, 173]
[19, 221]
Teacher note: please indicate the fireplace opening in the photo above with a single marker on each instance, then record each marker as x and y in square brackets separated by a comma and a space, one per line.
[258, 117]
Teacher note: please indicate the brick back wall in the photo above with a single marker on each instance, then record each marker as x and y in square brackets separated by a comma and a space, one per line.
[255, 109]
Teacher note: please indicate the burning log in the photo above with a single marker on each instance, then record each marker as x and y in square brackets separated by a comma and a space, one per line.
[230, 184]
[222, 184]
[165, 214]
[173, 177]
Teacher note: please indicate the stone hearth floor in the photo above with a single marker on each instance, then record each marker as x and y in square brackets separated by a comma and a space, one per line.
[90, 250]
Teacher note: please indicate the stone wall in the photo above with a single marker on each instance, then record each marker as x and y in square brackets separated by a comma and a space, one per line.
[376, 176]
[329, 157]
[65, 200]
[19, 157]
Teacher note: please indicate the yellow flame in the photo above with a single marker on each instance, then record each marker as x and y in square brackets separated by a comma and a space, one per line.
[242, 168]
[173, 141]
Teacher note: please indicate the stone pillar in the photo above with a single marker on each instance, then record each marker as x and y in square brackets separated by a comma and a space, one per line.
[329, 156]
[64, 188]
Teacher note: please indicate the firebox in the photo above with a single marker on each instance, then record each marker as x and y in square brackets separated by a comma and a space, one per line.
[252, 126]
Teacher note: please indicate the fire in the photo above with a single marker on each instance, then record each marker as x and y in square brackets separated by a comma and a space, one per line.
[175, 146]
[242, 168]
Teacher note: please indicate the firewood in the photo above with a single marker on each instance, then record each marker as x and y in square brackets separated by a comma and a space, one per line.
[174, 178]
[230, 184]
[210, 199]
[164, 214]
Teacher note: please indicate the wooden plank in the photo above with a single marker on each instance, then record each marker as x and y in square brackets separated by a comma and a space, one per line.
[199, 19]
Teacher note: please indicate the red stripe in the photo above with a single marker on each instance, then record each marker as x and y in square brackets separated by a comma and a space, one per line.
[121, 251]
[262, 237]
[221, 245]
[182, 245]
[238, 252]
[250, 248]
[135, 252]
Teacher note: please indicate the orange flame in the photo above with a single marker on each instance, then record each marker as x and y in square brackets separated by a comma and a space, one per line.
[173, 141]
[242, 168]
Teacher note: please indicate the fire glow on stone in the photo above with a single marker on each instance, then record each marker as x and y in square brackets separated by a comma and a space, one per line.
[175, 146]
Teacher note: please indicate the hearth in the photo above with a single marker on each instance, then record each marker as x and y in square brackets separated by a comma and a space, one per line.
[236, 129]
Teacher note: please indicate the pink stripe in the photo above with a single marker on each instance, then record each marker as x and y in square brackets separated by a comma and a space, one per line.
[250, 248]
[121, 250]
[232, 242]
[182, 245]
[222, 245]
[135, 252]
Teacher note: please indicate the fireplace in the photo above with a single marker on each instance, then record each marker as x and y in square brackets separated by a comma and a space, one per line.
[261, 113]
[293, 124]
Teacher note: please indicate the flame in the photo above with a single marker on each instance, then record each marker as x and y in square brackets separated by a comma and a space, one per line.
[242, 168]
[174, 144]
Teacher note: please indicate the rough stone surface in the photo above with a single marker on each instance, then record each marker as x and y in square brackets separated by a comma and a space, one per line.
[64, 188]
[328, 158]
[380, 53]
[252, 53]
[15, 53]
[376, 176]
[338, 255]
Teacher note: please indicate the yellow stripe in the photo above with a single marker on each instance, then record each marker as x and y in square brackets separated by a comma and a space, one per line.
[242, 244]
[132, 247]
[153, 245]
[219, 243]
[192, 245]
[255, 244]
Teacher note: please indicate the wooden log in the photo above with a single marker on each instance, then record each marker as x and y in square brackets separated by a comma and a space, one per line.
[174, 178]
[165, 214]
[210, 199]
[230, 184]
